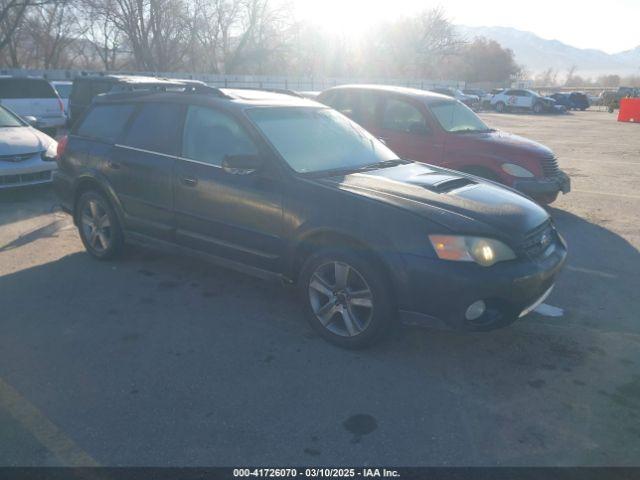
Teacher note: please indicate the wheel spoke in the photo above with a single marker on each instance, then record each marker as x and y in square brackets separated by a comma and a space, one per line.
[350, 322]
[342, 274]
[104, 241]
[319, 284]
[93, 239]
[93, 206]
[361, 298]
[104, 221]
[87, 220]
[326, 312]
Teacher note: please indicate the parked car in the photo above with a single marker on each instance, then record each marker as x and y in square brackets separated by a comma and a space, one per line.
[34, 97]
[27, 155]
[572, 100]
[85, 88]
[612, 99]
[432, 129]
[518, 99]
[471, 101]
[286, 188]
[63, 88]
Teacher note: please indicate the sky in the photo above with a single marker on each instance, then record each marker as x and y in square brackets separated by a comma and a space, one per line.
[612, 26]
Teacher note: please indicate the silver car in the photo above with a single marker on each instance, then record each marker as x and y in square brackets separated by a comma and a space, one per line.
[27, 156]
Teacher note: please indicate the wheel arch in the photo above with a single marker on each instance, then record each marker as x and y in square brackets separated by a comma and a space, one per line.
[89, 182]
[317, 239]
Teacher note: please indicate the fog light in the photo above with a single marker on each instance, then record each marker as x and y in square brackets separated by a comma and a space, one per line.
[475, 310]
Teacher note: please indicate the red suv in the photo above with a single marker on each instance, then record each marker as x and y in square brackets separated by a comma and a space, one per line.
[432, 128]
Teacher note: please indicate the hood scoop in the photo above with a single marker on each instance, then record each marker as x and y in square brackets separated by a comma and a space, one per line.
[441, 183]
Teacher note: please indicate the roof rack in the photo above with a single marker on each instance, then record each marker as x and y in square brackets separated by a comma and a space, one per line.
[186, 86]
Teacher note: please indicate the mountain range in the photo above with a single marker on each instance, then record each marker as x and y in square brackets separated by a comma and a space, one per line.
[537, 54]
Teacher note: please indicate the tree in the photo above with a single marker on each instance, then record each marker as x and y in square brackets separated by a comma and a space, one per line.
[12, 15]
[484, 60]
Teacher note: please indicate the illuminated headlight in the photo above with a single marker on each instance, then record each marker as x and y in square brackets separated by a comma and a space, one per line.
[516, 170]
[50, 154]
[483, 251]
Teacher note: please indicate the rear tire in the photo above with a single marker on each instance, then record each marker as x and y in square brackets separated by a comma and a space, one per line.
[501, 107]
[98, 225]
[347, 298]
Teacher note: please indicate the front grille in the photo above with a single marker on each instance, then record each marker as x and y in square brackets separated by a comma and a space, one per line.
[550, 166]
[24, 178]
[18, 158]
[538, 240]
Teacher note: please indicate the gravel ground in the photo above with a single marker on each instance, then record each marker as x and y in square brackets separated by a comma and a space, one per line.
[161, 360]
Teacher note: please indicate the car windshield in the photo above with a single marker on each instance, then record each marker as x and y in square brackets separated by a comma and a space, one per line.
[455, 117]
[312, 139]
[7, 119]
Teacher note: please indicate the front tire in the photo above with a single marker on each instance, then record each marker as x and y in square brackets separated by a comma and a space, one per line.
[346, 297]
[98, 225]
[501, 107]
[537, 108]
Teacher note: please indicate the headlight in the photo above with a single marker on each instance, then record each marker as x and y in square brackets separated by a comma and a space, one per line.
[483, 251]
[516, 170]
[50, 154]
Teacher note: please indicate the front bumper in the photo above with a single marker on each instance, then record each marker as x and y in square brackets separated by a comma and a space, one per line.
[544, 186]
[26, 173]
[444, 290]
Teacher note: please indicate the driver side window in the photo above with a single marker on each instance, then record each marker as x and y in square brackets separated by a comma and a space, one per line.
[210, 135]
[401, 116]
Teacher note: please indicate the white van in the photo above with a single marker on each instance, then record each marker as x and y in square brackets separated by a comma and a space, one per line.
[33, 97]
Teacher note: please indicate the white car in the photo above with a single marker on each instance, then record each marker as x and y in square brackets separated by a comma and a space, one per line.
[514, 99]
[34, 97]
[64, 91]
[27, 155]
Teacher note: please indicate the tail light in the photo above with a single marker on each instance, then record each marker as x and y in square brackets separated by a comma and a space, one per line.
[62, 146]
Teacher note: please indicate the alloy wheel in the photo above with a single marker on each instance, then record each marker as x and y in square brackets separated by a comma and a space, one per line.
[96, 226]
[341, 299]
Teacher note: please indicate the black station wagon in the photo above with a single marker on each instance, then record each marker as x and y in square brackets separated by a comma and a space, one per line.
[287, 188]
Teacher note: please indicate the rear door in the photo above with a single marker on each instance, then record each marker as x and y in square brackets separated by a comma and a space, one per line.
[140, 168]
[407, 129]
[236, 217]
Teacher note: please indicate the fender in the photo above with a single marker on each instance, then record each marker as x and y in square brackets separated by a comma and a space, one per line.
[96, 177]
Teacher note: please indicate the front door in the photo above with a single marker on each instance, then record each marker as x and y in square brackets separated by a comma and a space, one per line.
[405, 129]
[236, 217]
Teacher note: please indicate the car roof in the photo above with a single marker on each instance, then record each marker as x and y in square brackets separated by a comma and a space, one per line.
[211, 95]
[411, 92]
[138, 80]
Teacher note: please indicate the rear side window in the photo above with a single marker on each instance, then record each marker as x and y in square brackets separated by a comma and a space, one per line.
[105, 122]
[157, 127]
[40, 89]
[13, 88]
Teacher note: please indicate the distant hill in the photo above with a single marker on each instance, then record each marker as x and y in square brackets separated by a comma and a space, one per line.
[538, 54]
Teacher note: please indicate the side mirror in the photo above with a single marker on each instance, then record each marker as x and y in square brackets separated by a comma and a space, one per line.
[31, 120]
[241, 164]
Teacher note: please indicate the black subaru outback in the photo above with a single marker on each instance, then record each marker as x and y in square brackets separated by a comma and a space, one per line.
[286, 188]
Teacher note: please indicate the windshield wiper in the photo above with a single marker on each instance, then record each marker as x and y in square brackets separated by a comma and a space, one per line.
[382, 164]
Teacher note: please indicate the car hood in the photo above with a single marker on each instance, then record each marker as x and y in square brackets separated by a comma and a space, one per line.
[21, 140]
[459, 202]
[500, 144]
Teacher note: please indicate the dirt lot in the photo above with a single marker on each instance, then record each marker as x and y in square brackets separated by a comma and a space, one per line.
[155, 360]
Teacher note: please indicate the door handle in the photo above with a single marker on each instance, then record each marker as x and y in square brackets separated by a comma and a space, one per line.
[189, 182]
[113, 165]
